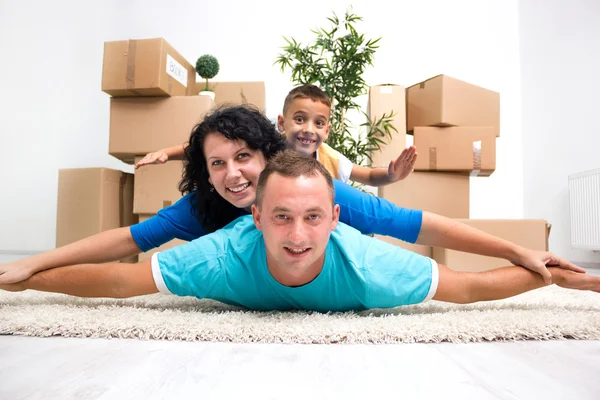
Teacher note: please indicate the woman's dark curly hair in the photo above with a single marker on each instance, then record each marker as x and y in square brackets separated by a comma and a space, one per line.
[243, 122]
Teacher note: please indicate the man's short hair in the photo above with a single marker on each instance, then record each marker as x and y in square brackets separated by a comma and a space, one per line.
[312, 92]
[292, 164]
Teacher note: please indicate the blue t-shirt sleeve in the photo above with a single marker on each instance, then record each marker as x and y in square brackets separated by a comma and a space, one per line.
[194, 268]
[373, 215]
[397, 276]
[173, 222]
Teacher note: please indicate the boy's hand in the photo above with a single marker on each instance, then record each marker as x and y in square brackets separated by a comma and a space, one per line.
[158, 157]
[537, 261]
[403, 165]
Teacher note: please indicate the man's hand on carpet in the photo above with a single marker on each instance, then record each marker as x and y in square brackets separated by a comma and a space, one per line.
[14, 272]
[537, 261]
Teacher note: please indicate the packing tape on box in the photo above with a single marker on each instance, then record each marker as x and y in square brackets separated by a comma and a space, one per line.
[130, 71]
[243, 97]
[476, 158]
[433, 158]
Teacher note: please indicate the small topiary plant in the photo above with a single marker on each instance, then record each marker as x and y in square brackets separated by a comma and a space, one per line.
[207, 67]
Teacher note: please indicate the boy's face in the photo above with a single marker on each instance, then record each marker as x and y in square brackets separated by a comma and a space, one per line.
[305, 125]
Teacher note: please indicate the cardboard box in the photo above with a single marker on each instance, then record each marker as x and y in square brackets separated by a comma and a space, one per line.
[156, 186]
[384, 99]
[529, 233]
[146, 67]
[168, 245]
[469, 150]
[445, 101]
[236, 92]
[92, 200]
[441, 193]
[140, 125]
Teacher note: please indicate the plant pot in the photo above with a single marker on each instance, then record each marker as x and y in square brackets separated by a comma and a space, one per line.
[207, 93]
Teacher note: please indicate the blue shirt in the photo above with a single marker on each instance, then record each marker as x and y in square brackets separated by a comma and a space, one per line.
[359, 272]
[365, 212]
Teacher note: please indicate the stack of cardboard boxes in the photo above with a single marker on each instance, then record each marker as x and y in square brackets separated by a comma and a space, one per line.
[454, 126]
[154, 104]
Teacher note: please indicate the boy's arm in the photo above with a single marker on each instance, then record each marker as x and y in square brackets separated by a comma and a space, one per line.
[440, 231]
[107, 246]
[163, 155]
[370, 176]
[93, 280]
[398, 170]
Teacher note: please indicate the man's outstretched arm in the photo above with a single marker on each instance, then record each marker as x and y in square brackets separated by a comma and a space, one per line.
[501, 283]
[93, 280]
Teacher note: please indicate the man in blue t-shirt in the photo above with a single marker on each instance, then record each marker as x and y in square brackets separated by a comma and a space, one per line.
[293, 254]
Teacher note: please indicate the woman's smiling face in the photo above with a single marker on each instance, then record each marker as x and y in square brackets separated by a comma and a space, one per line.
[233, 168]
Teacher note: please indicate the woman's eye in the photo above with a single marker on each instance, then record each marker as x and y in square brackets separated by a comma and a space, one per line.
[217, 163]
[243, 155]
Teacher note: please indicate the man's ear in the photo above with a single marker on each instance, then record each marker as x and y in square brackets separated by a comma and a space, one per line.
[280, 120]
[256, 217]
[336, 216]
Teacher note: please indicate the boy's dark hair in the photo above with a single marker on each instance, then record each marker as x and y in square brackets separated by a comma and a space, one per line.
[312, 92]
[244, 122]
[292, 164]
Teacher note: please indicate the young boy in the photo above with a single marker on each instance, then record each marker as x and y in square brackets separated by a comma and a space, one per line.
[305, 123]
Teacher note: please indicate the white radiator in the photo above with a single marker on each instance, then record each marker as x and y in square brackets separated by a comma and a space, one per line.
[584, 207]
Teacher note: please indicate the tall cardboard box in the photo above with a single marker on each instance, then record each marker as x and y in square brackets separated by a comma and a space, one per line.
[146, 67]
[140, 125]
[383, 100]
[234, 93]
[156, 186]
[168, 245]
[92, 200]
[446, 101]
[460, 149]
[529, 233]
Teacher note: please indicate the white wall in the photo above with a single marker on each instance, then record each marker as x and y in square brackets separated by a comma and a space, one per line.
[55, 116]
[560, 68]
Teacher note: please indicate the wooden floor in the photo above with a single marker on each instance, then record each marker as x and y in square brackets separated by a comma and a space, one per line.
[70, 368]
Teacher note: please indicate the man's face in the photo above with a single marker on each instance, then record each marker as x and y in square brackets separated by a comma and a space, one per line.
[296, 218]
[305, 125]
